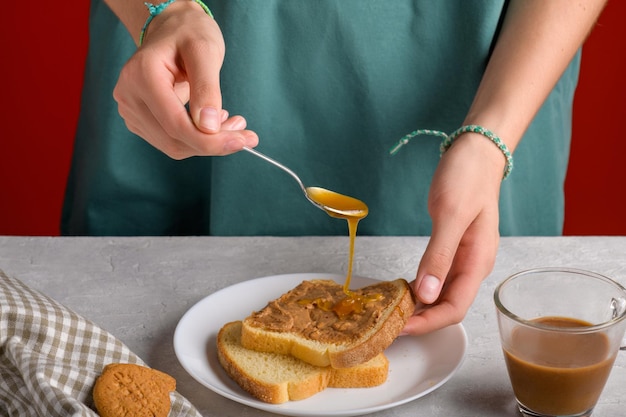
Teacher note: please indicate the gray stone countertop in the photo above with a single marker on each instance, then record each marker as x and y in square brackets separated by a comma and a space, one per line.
[139, 288]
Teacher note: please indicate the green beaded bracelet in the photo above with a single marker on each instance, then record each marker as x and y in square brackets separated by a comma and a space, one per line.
[448, 139]
[157, 9]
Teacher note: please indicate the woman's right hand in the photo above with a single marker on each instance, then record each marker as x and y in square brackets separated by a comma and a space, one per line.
[179, 63]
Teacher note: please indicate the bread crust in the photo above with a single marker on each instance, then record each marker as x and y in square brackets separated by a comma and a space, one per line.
[371, 374]
[369, 344]
[381, 338]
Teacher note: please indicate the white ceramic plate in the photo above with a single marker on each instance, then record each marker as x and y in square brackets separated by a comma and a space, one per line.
[417, 365]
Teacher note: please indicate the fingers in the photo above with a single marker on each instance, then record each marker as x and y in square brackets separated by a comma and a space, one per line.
[202, 59]
[166, 125]
[471, 263]
[427, 320]
[451, 217]
[463, 205]
[201, 56]
[180, 63]
[439, 307]
[203, 62]
[233, 123]
[436, 262]
[456, 299]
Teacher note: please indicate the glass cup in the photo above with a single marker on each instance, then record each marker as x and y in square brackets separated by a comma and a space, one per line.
[561, 330]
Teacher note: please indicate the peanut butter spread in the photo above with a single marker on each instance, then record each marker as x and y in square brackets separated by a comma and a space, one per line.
[321, 310]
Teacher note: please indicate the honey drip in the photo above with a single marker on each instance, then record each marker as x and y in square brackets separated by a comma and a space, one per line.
[353, 210]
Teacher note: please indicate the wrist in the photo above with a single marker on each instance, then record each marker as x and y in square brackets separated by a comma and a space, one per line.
[476, 146]
[155, 10]
[448, 140]
[479, 130]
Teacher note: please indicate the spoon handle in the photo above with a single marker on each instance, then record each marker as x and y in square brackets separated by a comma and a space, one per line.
[276, 163]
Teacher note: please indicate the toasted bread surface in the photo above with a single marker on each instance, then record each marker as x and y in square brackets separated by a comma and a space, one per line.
[276, 378]
[300, 323]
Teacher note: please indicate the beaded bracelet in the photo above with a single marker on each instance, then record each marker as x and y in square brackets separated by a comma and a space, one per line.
[448, 139]
[157, 9]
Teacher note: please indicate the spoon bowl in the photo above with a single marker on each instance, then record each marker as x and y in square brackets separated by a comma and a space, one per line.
[335, 204]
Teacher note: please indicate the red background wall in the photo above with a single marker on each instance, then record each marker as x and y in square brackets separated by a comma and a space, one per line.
[43, 46]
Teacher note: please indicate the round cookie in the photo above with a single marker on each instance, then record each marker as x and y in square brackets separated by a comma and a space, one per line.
[126, 389]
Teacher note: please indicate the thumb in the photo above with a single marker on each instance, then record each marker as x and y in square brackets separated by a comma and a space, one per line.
[205, 95]
[205, 104]
[434, 267]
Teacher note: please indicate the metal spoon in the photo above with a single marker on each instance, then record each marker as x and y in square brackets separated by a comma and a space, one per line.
[334, 204]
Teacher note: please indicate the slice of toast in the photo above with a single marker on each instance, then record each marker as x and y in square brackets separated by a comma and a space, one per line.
[276, 378]
[304, 323]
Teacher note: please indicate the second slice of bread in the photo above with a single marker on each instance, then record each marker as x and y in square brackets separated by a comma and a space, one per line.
[292, 324]
[276, 378]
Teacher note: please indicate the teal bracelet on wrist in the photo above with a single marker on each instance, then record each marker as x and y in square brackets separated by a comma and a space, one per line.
[448, 139]
[157, 9]
[486, 133]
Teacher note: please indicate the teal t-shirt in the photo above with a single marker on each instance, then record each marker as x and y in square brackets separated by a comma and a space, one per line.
[329, 86]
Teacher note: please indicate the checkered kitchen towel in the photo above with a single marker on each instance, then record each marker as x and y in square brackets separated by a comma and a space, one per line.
[50, 357]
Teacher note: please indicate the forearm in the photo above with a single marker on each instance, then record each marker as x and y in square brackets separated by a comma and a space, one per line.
[538, 40]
